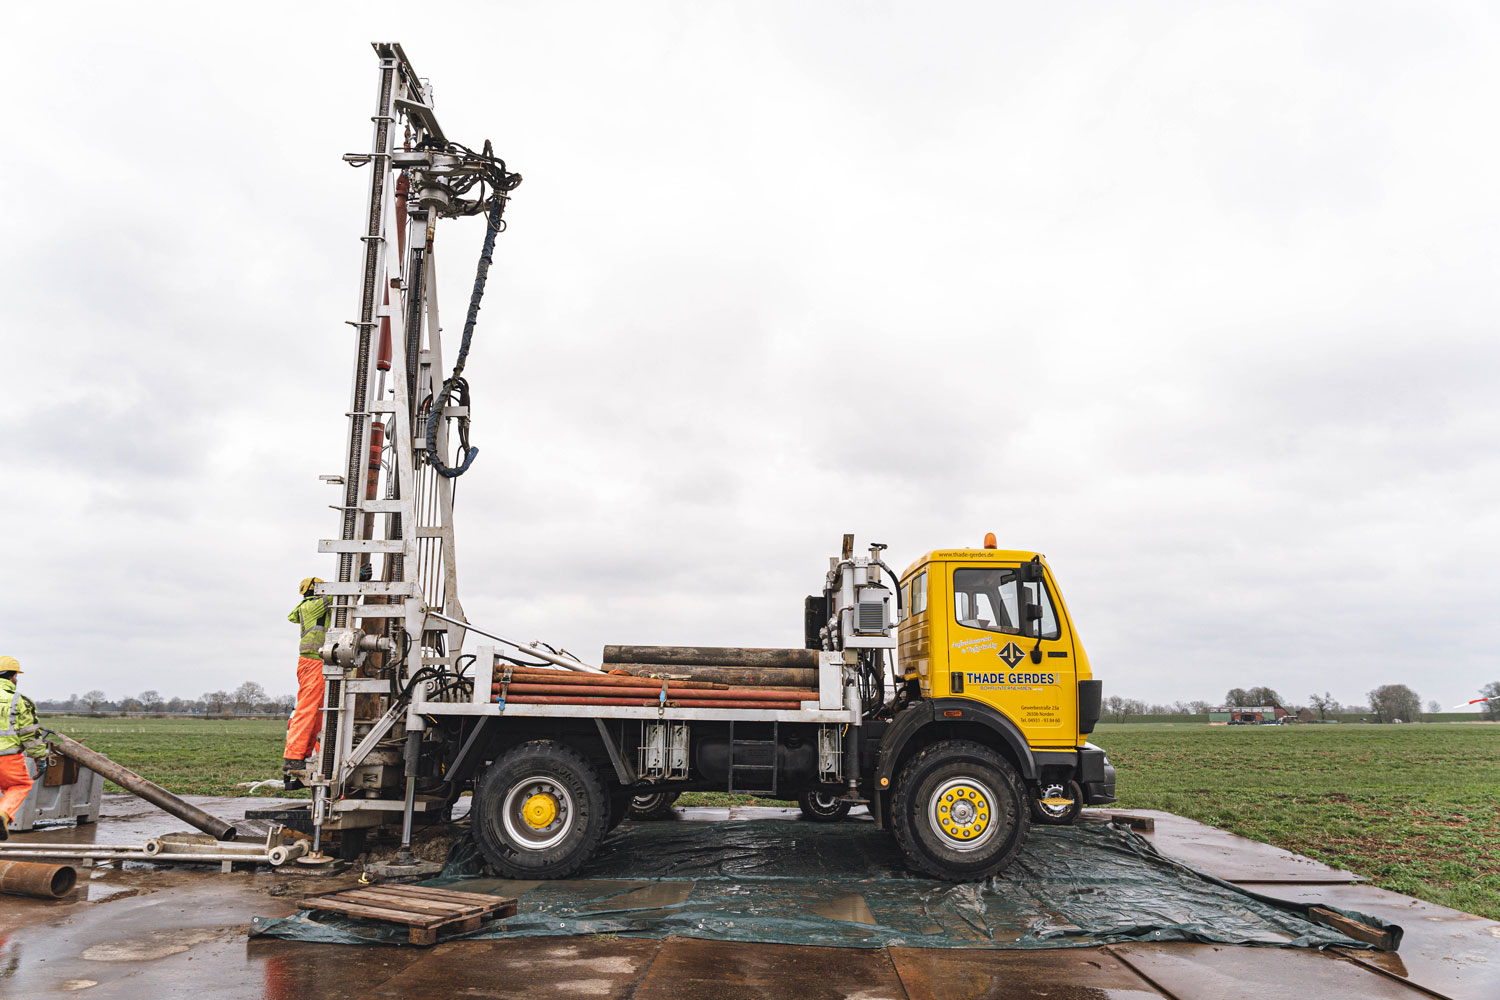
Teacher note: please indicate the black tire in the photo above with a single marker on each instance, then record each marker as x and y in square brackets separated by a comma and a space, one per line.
[824, 807]
[960, 812]
[619, 808]
[652, 806]
[1062, 815]
[540, 811]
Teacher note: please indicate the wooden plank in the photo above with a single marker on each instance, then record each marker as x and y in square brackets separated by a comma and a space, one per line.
[420, 902]
[362, 910]
[1384, 939]
[433, 892]
[422, 935]
[429, 907]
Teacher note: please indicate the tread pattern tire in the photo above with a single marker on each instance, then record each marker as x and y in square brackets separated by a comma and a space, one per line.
[1040, 815]
[815, 810]
[915, 786]
[652, 806]
[588, 821]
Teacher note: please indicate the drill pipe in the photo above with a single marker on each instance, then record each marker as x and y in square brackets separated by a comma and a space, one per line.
[539, 699]
[579, 690]
[752, 676]
[623, 680]
[26, 878]
[139, 786]
[716, 656]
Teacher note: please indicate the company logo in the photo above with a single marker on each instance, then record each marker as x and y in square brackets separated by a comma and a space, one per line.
[1007, 681]
[1012, 654]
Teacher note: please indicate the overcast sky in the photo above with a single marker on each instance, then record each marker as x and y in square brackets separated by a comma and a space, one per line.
[1197, 299]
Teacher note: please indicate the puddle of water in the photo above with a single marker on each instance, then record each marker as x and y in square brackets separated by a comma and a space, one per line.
[655, 895]
[147, 949]
[850, 907]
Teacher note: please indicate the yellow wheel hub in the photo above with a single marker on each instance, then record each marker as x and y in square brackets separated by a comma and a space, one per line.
[964, 812]
[539, 811]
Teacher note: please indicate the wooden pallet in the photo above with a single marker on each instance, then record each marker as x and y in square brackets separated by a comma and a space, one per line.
[424, 910]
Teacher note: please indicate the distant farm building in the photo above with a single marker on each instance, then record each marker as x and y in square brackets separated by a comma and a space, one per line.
[1265, 713]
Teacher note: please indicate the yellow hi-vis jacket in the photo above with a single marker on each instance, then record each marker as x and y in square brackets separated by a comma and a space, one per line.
[312, 616]
[17, 712]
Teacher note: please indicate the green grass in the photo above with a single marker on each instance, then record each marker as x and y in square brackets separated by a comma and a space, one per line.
[1413, 808]
[186, 756]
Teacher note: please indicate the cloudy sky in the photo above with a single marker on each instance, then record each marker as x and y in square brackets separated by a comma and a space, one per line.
[1199, 300]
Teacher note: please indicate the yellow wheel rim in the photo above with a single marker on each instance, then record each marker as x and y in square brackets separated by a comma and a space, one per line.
[963, 812]
[539, 811]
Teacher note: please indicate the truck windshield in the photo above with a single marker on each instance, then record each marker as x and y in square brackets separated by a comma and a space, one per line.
[991, 599]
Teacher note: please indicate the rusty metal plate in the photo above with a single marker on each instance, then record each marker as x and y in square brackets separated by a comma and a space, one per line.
[1063, 974]
[687, 969]
[1447, 951]
[1233, 858]
[1215, 972]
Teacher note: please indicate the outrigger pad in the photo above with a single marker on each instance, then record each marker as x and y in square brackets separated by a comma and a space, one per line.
[843, 885]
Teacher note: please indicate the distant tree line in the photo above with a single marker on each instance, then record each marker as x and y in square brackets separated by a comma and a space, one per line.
[247, 699]
[1387, 703]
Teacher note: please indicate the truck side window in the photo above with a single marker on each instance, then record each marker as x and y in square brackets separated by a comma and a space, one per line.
[917, 598]
[991, 599]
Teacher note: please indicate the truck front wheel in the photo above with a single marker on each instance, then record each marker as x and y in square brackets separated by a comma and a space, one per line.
[960, 811]
[540, 811]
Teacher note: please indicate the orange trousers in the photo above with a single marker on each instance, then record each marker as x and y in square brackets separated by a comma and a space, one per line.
[15, 782]
[302, 728]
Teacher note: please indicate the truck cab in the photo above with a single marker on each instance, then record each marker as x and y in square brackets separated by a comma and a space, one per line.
[991, 672]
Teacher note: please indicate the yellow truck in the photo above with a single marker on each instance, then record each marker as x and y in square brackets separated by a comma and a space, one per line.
[954, 700]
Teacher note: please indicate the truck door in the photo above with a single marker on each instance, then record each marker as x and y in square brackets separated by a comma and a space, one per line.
[1020, 665]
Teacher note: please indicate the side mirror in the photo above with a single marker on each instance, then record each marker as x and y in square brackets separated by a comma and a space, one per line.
[1033, 612]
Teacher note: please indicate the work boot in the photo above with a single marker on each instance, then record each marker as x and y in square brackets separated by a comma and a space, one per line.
[289, 778]
[4, 827]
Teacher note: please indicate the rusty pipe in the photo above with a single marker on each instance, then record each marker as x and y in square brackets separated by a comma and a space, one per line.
[527, 687]
[27, 878]
[717, 656]
[538, 676]
[140, 787]
[542, 699]
[751, 676]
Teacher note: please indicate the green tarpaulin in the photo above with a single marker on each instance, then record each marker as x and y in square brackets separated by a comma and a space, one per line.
[843, 884]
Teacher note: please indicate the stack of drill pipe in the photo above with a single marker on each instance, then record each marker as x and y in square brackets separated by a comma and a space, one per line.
[537, 686]
[763, 668]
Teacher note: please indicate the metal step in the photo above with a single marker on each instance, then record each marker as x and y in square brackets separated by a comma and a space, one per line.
[747, 777]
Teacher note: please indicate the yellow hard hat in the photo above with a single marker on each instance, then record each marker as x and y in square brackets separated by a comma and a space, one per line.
[9, 664]
[305, 587]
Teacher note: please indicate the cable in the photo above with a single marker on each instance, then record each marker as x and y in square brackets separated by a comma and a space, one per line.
[496, 176]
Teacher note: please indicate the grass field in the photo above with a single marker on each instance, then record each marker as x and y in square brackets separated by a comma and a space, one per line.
[1413, 808]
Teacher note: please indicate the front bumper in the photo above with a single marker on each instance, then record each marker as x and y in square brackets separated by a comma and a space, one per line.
[1096, 776]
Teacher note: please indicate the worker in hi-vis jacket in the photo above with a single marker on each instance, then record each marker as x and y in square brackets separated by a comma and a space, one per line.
[16, 713]
[311, 616]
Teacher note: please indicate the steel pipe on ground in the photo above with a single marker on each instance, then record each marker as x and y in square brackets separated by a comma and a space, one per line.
[26, 878]
[719, 656]
[139, 786]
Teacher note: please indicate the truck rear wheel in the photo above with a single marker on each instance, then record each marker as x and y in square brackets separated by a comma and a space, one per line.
[540, 811]
[960, 811]
[824, 807]
[652, 806]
